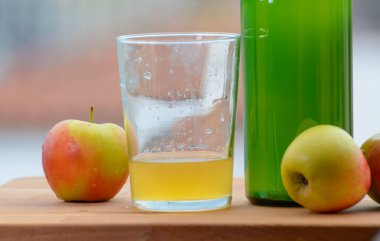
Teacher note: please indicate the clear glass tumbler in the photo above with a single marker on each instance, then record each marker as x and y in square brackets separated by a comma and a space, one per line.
[179, 94]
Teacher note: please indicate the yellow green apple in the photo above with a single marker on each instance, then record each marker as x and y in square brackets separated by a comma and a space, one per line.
[85, 161]
[324, 170]
[371, 150]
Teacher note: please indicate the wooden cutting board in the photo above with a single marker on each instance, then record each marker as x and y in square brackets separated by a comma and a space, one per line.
[29, 210]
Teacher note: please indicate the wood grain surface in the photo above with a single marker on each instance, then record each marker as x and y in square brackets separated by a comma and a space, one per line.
[29, 210]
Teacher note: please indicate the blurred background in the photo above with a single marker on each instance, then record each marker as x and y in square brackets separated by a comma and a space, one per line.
[58, 58]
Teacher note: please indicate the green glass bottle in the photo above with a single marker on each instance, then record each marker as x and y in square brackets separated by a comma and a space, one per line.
[297, 74]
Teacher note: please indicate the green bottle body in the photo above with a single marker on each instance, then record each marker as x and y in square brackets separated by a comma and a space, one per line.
[297, 74]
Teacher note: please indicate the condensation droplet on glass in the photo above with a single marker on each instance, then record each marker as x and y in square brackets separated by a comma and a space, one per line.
[187, 89]
[171, 104]
[179, 93]
[208, 131]
[139, 59]
[215, 101]
[221, 118]
[147, 75]
[171, 71]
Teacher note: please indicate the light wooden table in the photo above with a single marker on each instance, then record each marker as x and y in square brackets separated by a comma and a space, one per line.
[29, 210]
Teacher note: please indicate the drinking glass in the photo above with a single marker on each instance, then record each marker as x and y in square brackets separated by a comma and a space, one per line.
[179, 94]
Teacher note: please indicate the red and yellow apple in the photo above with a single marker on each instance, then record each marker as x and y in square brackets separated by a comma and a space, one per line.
[371, 150]
[84, 161]
[324, 170]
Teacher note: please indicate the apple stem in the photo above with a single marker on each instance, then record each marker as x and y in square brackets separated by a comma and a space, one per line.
[91, 113]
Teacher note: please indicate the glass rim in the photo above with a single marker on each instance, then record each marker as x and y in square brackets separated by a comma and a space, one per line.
[177, 38]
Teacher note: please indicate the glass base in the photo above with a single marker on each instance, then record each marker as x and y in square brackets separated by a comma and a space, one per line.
[271, 202]
[184, 206]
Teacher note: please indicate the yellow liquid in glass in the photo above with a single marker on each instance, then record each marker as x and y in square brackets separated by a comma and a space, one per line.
[185, 177]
